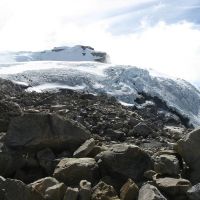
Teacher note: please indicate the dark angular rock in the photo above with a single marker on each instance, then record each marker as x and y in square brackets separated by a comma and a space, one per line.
[38, 131]
[124, 161]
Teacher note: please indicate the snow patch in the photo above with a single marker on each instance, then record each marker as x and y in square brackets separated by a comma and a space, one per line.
[52, 86]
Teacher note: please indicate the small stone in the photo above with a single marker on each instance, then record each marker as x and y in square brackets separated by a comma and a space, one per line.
[85, 190]
[149, 174]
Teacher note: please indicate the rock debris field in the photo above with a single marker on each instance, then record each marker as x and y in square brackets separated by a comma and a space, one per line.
[70, 145]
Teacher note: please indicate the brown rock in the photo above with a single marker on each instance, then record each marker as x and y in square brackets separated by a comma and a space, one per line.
[72, 170]
[85, 149]
[102, 191]
[172, 186]
[129, 191]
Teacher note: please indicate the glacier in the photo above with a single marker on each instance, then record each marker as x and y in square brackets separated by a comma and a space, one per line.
[126, 83]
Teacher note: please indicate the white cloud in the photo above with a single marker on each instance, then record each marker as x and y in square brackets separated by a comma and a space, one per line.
[173, 49]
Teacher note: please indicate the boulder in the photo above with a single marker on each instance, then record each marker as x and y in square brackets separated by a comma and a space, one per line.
[102, 191]
[55, 192]
[124, 161]
[85, 149]
[172, 186]
[150, 192]
[85, 190]
[194, 192]
[43, 184]
[167, 165]
[72, 170]
[188, 148]
[129, 191]
[34, 131]
[71, 194]
[17, 190]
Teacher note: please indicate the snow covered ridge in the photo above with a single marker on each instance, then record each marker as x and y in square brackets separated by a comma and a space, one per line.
[76, 53]
[123, 82]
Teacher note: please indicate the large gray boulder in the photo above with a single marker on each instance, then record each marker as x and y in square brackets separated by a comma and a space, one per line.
[125, 161]
[150, 192]
[188, 148]
[72, 170]
[34, 131]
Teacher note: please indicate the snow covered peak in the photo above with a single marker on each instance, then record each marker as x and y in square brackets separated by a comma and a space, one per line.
[64, 53]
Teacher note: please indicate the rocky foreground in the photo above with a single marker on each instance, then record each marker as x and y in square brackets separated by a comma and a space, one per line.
[69, 145]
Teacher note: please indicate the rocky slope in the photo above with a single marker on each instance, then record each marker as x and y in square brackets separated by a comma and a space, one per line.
[69, 145]
[126, 83]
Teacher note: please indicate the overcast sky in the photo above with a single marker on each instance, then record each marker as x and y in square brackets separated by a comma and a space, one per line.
[159, 34]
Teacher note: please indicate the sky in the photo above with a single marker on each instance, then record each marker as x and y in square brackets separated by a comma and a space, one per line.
[160, 34]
